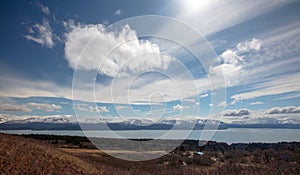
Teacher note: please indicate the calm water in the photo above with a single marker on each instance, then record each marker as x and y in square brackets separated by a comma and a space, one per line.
[236, 135]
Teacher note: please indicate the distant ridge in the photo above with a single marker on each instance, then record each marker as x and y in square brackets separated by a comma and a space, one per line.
[133, 124]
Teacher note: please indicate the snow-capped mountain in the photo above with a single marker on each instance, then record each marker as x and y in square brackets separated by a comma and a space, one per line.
[65, 123]
[3, 120]
[39, 120]
[139, 122]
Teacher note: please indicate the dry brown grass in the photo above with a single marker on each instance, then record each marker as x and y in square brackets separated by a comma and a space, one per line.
[19, 155]
[27, 156]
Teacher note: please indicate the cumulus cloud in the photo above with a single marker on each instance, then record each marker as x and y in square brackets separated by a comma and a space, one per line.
[41, 34]
[233, 61]
[263, 117]
[45, 106]
[254, 44]
[14, 107]
[231, 57]
[129, 55]
[118, 12]
[98, 109]
[239, 112]
[284, 110]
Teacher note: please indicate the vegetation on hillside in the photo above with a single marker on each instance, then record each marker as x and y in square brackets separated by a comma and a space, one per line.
[76, 155]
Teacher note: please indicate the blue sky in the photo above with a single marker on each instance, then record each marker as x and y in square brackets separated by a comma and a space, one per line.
[256, 45]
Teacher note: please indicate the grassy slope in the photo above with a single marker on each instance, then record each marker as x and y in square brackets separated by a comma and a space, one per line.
[19, 155]
[27, 156]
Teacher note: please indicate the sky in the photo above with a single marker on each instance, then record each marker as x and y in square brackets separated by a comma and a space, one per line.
[91, 60]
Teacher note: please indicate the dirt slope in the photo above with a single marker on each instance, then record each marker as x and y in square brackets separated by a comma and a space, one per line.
[27, 156]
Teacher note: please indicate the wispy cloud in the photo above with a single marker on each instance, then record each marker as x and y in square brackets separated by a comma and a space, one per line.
[86, 108]
[14, 107]
[280, 85]
[44, 9]
[41, 33]
[45, 106]
[27, 107]
[221, 14]
[269, 68]
[256, 103]
[203, 95]
[118, 12]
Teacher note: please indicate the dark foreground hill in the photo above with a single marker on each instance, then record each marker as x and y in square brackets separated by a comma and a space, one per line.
[20, 155]
[50, 154]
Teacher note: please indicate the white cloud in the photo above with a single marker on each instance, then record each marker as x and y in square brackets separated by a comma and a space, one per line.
[98, 109]
[280, 85]
[121, 107]
[14, 107]
[231, 57]
[239, 112]
[256, 103]
[85, 108]
[178, 107]
[254, 44]
[45, 106]
[233, 61]
[222, 104]
[45, 9]
[191, 100]
[262, 117]
[284, 110]
[273, 70]
[118, 12]
[22, 87]
[41, 34]
[37, 118]
[203, 95]
[81, 107]
[129, 56]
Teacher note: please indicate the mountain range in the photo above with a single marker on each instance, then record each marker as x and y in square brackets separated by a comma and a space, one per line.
[54, 123]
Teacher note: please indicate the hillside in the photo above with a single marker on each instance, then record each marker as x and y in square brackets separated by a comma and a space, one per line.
[51, 154]
[27, 156]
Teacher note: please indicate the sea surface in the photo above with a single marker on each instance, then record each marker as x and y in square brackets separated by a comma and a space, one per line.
[234, 135]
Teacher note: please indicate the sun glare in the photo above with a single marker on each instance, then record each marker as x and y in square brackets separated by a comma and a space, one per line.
[194, 6]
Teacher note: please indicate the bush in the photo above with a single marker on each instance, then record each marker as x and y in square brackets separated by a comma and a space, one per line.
[202, 161]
